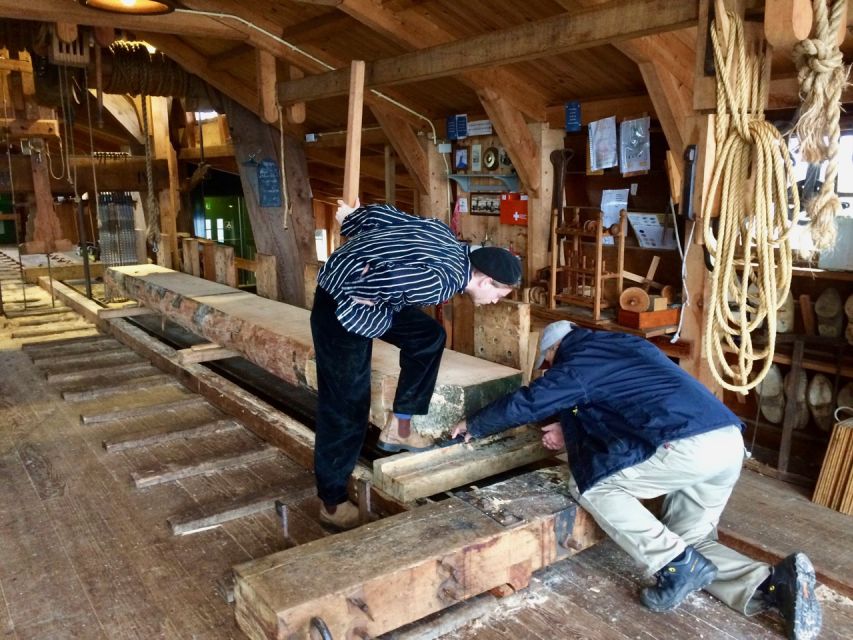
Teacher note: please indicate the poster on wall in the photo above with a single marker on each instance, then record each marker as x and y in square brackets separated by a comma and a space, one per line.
[602, 144]
[634, 147]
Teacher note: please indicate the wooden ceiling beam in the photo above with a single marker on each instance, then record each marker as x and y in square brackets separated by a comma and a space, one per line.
[177, 23]
[549, 37]
[371, 166]
[512, 130]
[126, 111]
[406, 144]
[415, 31]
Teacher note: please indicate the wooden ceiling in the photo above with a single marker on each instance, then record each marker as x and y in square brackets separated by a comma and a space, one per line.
[432, 58]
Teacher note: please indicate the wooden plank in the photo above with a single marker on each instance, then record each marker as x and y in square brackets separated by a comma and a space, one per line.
[168, 433]
[100, 372]
[352, 168]
[88, 344]
[172, 472]
[93, 358]
[26, 313]
[216, 514]
[134, 385]
[146, 410]
[462, 550]
[123, 312]
[266, 276]
[225, 269]
[55, 329]
[790, 406]
[501, 332]
[191, 263]
[411, 476]
[205, 353]
[549, 37]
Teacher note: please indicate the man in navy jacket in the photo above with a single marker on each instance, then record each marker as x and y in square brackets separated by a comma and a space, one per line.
[636, 426]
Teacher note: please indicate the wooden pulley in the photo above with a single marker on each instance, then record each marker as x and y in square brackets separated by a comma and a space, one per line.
[667, 292]
[614, 229]
[634, 299]
[590, 226]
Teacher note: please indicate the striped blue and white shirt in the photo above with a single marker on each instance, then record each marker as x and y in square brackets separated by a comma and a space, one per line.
[410, 261]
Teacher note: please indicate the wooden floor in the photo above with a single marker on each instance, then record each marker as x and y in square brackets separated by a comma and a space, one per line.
[86, 554]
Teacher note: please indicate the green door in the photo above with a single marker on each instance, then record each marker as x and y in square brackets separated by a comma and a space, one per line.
[227, 221]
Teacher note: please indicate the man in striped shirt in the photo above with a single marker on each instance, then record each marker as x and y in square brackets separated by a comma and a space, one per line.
[369, 288]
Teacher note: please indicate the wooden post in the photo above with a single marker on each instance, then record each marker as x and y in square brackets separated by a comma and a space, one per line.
[208, 259]
[265, 276]
[168, 198]
[539, 216]
[265, 70]
[45, 226]
[189, 249]
[501, 333]
[295, 113]
[390, 175]
[352, 166]
[224, 269]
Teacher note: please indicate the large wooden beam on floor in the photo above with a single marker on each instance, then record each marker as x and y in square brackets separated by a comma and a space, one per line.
[142, 411]
[436, 555]
[70, 377]
[134, 385]
[264, 330]
[408, 477]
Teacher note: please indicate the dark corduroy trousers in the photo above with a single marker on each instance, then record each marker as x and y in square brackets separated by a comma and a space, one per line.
[343, 385]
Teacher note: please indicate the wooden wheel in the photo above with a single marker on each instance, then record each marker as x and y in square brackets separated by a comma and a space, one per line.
[634, 299]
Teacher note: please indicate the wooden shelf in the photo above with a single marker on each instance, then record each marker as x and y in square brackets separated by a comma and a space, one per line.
[823, 274]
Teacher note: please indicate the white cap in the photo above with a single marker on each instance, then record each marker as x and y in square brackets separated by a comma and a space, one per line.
[551, 335]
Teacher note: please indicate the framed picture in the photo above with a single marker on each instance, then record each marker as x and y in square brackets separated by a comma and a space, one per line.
[461, 159]
[476, 157]
[485, 204]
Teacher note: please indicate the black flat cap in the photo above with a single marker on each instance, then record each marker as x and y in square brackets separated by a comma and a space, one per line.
[497, 263]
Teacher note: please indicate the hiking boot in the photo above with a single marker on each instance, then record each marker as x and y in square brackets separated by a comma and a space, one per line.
[346, 516]
[689, 572]
[791, 590]
[391, 440]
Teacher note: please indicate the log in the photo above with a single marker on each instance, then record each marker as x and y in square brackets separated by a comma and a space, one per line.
[277, 337]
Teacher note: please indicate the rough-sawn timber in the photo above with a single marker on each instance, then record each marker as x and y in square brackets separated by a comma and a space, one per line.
[277, 337]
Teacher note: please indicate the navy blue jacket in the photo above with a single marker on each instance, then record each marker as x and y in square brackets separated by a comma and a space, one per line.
[617, 397]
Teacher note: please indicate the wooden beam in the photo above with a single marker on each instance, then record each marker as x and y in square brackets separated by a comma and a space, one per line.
[265, 70]
[352, 169]
[406, 144]
[510, 126]
[549, 37]
[204, 353]
[126, 110]
[390, 175]
[463, 547]
[19, 128]
[177, 23]
[123, 312]
[408, 477]
[295, 113]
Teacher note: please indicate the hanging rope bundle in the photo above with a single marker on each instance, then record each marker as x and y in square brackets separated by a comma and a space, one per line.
[750, 250]
[152, 208]
[822, 78]
[285, 197]
[136, 71]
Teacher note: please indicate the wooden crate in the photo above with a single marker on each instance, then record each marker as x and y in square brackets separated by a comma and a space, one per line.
[835, 484]
[648, 319]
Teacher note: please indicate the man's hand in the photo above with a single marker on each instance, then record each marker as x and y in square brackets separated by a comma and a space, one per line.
[461, 429]
[552, 437]
[344, 210]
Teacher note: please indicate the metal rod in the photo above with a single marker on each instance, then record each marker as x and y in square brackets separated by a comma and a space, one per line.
[84, 250]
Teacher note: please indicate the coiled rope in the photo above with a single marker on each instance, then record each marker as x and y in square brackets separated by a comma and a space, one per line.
[751, 245]
[822, 78]
[136, 71]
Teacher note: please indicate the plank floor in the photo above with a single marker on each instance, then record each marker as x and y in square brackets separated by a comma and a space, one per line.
[84, 554]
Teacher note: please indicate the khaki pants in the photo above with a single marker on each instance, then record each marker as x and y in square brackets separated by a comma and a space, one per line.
[697, 475]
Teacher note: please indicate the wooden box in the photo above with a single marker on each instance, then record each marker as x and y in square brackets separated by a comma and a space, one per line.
[648, 319]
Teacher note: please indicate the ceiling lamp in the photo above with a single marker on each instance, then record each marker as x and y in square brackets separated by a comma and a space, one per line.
[133, 7]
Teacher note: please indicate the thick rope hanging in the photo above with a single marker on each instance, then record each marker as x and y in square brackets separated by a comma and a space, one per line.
[138, 72]
[152, 210]
[750, 250]
[285, 197]
[822, 78]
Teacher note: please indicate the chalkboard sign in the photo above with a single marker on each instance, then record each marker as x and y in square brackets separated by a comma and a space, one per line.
[269, 184]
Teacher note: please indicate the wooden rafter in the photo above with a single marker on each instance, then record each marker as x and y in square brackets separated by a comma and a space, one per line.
[406, 144]
[414, 30]
[552, 36]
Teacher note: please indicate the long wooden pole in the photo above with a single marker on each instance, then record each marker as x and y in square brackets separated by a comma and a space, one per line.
[352, 167]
